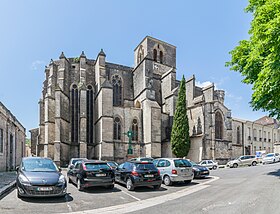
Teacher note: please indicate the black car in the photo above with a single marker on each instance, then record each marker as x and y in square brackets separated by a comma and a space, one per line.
[39, 177]
[138, 173]
[89, 173]
[199, 171]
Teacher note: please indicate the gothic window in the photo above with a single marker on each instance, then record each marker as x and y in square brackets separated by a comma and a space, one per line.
[218, 126]
[194, 131]
[89, 114]
[135, 130]
[238, 135]
[140, 54]
[117, 90]
[1, 141]
[155, 55]
[161, 57]
[137, 104]
[74, 114]
[117, 128]
[199, 126]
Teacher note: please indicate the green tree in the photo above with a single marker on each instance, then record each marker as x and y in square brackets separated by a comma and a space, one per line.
[258, 58]
[180, 139]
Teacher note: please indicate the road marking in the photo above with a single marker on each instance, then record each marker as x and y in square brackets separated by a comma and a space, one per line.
[142, 204]
[131, 196]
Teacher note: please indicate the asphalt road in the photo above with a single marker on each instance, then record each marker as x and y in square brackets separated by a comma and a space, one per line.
[248, 190]
[242, 190]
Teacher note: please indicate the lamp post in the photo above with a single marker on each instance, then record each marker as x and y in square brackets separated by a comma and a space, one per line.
[129, 134]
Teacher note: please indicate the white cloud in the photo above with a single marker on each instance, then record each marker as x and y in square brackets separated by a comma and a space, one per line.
[202, 84]
[36, 65]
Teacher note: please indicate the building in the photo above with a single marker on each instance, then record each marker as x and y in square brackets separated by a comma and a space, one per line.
[12, 140]
[89, 105]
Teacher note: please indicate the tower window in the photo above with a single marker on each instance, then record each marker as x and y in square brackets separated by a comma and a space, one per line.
[155, 55]
[218, 126]
[161, 57]
[89, 115]
[117, 90]
[117, 128]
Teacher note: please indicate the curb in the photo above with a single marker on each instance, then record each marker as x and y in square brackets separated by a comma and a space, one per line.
[7, 188]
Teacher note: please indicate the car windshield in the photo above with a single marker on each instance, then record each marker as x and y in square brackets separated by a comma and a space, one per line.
[193, 163]
[146, 159]
[182, 163]
[113, 164]
[39, 165]
[269, 155]
[145, 166]
[96, 166]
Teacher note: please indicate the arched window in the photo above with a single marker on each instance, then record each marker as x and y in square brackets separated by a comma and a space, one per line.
[140, 54]
[135, 130]
[161, 57]
[89, 115]
[137, 104]
[117, 128]
[199, 126]
[74, 114]
[218, 126]
[117, 90]
[155, 55]
[238, 135]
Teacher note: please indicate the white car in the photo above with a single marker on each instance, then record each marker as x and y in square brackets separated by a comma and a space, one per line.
[210, 164]
[271, 158]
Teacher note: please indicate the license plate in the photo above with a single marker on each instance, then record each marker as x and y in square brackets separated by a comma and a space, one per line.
[44, 188]
[100, 175]
[148, 176]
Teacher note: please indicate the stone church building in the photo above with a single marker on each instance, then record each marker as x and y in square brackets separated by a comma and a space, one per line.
[88, 106]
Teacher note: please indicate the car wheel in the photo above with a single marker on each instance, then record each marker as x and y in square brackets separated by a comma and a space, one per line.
[167, 181]
[214, 167]
[79, 186]
[254, 163]
[129, 185]
[273, 160]
[157, 186]
[187, 181]
[235, 165]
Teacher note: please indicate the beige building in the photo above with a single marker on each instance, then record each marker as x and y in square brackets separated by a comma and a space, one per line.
[12, 140]
[88, 105]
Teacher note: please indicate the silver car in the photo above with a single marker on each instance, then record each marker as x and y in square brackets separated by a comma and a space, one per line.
[210, 164]
[270, 158]
[174, 170]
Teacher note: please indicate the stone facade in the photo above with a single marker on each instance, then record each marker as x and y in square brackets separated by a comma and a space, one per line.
[12, 140]
[88, 105]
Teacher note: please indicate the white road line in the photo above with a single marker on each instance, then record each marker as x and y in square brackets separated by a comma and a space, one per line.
[142, 204]
[131, 196]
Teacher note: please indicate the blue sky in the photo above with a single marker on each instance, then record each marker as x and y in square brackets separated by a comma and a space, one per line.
[33, 32]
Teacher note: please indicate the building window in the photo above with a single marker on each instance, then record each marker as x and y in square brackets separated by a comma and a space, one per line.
[117, 128]
[218, 126]
[117, 90]
[274, 137]
[199, 126]
[238, 135]
[155, 55]
[140, 54]
[1, 141]
[255, 134]
[74, 114]
[135, 130]
[89, 115]
[161, 57]
[260, 135]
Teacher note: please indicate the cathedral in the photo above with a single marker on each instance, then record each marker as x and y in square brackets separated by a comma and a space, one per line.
[100, 110]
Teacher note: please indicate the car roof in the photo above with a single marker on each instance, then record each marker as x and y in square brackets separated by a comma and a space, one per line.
[36, 158]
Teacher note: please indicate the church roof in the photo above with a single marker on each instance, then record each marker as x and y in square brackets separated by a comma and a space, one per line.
[265, 120]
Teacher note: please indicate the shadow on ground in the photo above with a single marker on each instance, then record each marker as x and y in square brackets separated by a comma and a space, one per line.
[275, 173]
[50, 200]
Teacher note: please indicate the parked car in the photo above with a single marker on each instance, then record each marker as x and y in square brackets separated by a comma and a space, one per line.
[142, 159]
[39, 177]
[174, 170]
[112, 164]
[138, 173]
[210, 164]
[73, 161]
[89, 173]
[270, 158]
[200, 171]
[245, 160]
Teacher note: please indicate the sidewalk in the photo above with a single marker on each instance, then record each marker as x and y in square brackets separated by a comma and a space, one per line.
[7, 181]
